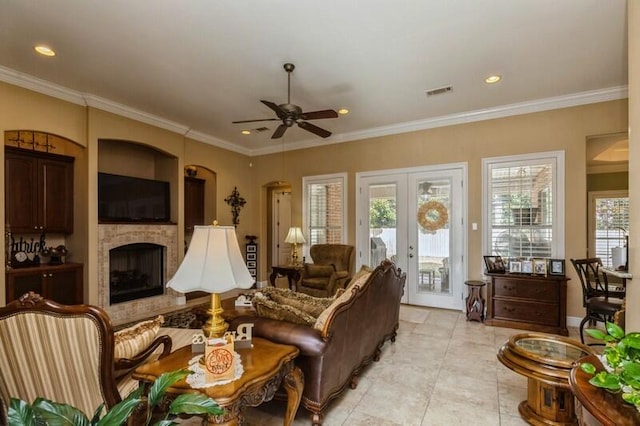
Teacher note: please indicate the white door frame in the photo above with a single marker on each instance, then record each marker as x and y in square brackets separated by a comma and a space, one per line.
[393, 176]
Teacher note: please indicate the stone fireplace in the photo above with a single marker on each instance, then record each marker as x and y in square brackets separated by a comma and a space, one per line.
[126, 240]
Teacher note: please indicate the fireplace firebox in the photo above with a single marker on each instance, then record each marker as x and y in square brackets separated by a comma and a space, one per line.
[135, 271]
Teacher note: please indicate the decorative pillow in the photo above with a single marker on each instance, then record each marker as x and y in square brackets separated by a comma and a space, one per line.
[132, 340]
[303, 302]
[267, 308]
[345, 296]
[364, 269]
[314, 271]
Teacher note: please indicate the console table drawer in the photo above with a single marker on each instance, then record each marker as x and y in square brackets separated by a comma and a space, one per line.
[537, 313]
[537, 290]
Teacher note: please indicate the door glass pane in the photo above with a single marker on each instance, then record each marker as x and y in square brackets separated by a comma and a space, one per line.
[612, 223]
[382, 223]
[433, 211]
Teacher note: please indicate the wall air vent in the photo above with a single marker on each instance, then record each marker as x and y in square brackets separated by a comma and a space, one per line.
[439, 91]
[262, 129]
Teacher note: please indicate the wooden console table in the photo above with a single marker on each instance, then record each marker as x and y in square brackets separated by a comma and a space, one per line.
[528, 302]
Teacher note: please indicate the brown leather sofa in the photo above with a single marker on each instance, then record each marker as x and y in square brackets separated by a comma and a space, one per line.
[351, 335]
[332, 268]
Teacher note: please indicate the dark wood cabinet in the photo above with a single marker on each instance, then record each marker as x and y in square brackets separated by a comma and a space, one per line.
[193, 202]
[62, 283]
[38, 191]
[528, 302]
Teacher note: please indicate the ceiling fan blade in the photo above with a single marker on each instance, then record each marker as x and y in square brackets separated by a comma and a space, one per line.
[252, 121]
[279, 131]
[314, 129]
[316, 115]
[281, 114]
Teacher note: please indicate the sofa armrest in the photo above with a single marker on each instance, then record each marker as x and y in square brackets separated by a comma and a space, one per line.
[124, 365]
[307, 339]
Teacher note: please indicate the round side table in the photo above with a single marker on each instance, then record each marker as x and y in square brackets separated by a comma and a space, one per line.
[546, 360]
[475, 302]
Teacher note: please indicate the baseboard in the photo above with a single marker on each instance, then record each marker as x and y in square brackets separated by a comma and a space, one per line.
[573, 321]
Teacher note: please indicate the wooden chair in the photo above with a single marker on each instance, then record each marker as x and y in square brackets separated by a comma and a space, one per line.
[599, 305]
[64, 353]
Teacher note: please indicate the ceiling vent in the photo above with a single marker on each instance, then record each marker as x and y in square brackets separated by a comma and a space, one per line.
[439, 91]
[262, 129]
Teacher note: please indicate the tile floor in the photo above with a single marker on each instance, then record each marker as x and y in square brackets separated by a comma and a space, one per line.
[442, 370]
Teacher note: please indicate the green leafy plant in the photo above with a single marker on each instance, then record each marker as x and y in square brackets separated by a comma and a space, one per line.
[382, 213]
[621, 358]
[45, 412]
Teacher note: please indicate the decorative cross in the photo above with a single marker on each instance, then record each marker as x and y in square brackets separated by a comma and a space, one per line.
[236, 202]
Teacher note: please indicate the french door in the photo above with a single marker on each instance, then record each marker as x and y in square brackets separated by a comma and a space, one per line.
[415, 218]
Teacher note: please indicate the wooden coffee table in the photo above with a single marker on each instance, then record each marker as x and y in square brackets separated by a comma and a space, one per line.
[266, 366]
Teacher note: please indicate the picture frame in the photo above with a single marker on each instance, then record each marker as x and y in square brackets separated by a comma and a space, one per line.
[494, 264]
[252, 256]
[251, 248]
[556, 267]
[515, 267]
[540, 266]
[251, 264]
[526, 267]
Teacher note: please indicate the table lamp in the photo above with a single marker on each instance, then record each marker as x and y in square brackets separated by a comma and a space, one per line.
[214, 264]
[295, 237]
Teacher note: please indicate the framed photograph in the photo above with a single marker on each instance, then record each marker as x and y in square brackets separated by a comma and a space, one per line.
[526, 267]
[251, 264]
[251, 248]
[515, 266]
[251, 256]
[556, 267]
[540, 266]
[494, 264]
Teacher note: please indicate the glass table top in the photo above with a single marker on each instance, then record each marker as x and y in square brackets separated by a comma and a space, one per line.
[555, 350]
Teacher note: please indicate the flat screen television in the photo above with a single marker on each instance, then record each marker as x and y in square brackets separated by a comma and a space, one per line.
[132, 199]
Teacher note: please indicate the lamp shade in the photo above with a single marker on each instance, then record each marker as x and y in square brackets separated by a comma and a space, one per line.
[295, 236]
[213, 263]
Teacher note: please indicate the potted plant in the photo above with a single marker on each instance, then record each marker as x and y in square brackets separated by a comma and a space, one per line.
[621, 359]
[45, 412]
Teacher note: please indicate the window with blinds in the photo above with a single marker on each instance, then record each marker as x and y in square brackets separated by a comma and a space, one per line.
[521, 205]
[324, 207]
[609, 222]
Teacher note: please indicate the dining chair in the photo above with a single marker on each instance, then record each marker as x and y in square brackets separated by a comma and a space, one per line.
[599, 305]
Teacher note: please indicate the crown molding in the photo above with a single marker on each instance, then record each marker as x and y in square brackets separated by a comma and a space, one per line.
[575, 99]
[538, 105]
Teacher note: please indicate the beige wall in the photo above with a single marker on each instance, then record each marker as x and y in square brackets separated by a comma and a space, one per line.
[565, 129]
[633, 313]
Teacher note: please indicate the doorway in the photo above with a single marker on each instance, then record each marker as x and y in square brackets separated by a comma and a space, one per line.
[415, 218]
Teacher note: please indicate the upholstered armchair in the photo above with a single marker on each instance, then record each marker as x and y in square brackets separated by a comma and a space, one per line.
[64, 353]
[332, 268]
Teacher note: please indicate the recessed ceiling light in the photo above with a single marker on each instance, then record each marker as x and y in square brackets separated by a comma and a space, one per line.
[343, 111]
[492, 79]
[246, 132]
[44, 50]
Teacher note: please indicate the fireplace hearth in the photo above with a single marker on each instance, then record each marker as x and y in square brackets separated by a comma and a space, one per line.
[135, 271]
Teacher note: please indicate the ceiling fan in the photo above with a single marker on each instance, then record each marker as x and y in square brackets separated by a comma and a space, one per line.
[291, 114]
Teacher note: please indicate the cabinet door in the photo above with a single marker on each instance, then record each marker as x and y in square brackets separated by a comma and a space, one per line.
[57, 195]
[193, 202]
[62, 286]
[17, 285]
[21, 195]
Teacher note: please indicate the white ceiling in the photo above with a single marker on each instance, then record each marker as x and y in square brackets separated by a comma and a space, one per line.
[198, 65]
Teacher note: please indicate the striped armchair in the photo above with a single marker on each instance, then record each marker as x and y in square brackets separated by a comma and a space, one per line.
[64, 353]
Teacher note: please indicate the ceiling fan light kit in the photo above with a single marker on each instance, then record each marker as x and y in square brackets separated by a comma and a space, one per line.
[291, 114]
